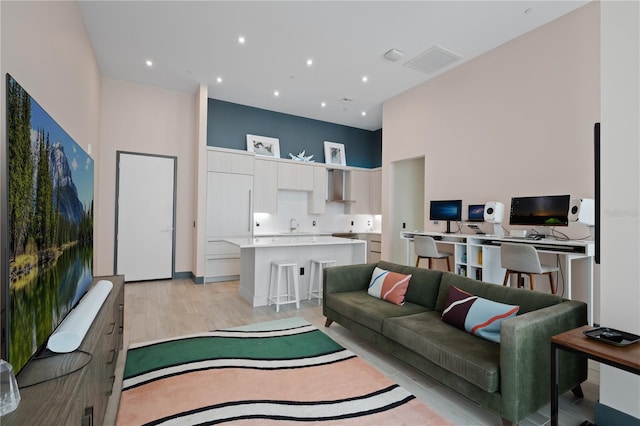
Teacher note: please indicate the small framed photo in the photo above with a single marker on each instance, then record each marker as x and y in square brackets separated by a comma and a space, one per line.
[334, 153]
[263, 145]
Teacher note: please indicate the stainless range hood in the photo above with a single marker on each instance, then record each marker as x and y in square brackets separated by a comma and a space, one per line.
[336, 189]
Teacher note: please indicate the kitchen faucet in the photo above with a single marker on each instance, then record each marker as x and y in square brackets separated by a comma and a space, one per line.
[293, 225]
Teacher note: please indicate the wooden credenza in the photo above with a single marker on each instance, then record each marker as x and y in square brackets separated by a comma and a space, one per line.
[74, 388]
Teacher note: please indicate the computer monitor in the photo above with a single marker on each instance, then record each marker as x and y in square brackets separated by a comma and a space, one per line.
[476, 213]
[547, 210]
[446, 210]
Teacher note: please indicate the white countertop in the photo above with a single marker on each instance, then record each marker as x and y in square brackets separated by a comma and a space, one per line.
[305, 240]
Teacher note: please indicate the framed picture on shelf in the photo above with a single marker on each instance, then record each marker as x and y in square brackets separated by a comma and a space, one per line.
[263, 145]
[334, 153]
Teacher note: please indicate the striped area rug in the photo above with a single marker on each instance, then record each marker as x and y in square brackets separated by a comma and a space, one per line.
[281, 371]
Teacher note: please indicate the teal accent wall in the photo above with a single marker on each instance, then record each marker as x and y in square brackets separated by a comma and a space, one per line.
[228, 125]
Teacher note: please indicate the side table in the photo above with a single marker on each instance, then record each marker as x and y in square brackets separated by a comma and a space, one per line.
[626, 358]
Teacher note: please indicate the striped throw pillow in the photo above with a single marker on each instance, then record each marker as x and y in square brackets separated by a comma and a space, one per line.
[476, 315]
[389, 286]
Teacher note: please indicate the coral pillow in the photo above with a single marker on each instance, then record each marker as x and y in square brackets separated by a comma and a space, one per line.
[476, 315]
[389, 286]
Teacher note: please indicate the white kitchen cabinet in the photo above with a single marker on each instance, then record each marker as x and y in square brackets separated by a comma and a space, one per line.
[219, 160]
[229, 215]
[358, 188]
[318, 197]
[375, 191]
[295, 176]
[222, 261]
[229, 204]
[265, 183]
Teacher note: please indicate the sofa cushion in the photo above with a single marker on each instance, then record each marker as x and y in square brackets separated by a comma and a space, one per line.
[424, 285]
[465, 355]
[388, 285]
[527, 300]
[476, 315]
[366, 310]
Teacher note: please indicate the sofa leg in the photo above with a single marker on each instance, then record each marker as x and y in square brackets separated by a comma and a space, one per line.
[328, 322]
[577, 392]
[506, 422]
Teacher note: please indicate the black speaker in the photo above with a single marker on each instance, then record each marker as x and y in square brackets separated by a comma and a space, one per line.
[596, 191]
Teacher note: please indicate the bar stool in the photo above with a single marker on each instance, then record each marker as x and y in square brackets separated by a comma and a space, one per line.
[277, 279]
[317, 266]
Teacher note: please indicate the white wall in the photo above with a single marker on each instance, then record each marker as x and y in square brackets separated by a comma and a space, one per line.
[516, 121]
[150, 120]
[46, 48]
[620, 185]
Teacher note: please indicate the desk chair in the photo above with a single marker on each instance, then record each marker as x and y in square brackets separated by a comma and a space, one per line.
[425, 248]
[523, 259]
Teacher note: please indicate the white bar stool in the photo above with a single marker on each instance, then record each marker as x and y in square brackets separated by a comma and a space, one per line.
[290, 277]
[317, 266]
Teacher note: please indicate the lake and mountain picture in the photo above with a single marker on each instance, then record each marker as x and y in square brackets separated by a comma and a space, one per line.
[50, 223]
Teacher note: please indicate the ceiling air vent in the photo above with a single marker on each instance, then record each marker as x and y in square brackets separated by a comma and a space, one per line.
[432, 60]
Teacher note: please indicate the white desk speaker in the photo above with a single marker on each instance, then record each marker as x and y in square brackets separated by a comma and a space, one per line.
[494, 212]
[582, 210]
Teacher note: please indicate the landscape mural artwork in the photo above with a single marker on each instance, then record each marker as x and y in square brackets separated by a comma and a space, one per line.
[50, 224]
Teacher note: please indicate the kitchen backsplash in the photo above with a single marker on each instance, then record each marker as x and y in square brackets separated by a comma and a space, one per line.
[293, 205]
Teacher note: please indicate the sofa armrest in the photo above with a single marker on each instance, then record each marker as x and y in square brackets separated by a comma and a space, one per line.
[339, 279]
[525, 353]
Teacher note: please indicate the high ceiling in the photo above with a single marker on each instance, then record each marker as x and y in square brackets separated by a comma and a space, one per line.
[196, 42]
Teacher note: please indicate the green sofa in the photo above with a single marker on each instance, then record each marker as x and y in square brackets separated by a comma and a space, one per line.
[510, 378]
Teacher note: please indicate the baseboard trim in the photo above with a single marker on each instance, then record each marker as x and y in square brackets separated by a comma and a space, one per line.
[606, 415]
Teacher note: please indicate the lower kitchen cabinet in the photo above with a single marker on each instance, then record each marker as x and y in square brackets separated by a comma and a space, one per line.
[222, 261]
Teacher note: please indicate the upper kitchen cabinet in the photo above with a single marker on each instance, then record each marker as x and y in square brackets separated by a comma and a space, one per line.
[265, 186]
[375, 191]
[358, 190]
[295, 176]
[225, 161]
[318, 197]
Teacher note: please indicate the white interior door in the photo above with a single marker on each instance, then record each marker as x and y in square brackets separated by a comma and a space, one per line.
[145, 217]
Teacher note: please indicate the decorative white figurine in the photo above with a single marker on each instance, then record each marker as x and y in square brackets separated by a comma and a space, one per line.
[301, 157]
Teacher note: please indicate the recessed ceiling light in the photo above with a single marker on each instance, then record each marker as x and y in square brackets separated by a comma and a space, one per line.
[323, 104]
[276, 93]
[363, 113]
[219, 79]
[365, 78]
[309, 62]
[241, 40]
[148, 63]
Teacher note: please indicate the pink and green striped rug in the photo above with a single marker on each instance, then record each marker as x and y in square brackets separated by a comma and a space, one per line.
[282, 371]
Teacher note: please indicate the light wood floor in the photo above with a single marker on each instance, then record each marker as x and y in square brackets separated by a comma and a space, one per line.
[159, 309]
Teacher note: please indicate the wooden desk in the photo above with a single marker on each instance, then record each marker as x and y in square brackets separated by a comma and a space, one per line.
[626, 358]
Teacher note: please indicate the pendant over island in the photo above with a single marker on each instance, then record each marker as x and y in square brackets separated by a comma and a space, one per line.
[256, 255]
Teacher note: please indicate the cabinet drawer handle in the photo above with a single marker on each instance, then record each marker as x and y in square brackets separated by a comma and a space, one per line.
[112, 356]
[113, 327]
[111, 381]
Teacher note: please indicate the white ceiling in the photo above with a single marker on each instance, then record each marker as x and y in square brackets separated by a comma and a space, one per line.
[194, 42]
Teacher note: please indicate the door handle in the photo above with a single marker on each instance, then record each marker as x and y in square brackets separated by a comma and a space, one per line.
[249, 214]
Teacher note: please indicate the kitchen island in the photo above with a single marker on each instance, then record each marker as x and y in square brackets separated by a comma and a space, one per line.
[256, 255]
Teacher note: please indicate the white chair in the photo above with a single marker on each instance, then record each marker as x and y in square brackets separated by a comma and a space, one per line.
[425, 248]
[523, 259]
[315, 277]
[280, 285]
